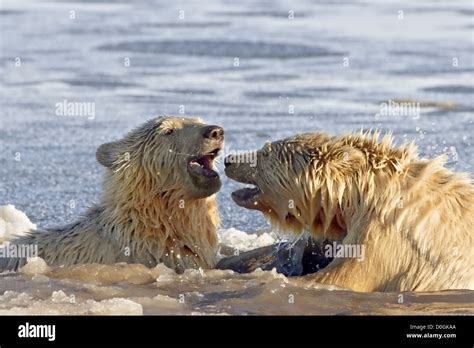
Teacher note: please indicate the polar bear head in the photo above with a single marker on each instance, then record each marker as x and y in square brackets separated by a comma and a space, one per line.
[319, 183]
[166, 154]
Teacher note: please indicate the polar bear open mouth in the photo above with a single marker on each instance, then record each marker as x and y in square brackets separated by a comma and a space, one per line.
[246, 196]
[203, 165]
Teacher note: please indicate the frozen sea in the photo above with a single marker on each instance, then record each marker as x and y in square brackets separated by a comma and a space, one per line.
[262, 70]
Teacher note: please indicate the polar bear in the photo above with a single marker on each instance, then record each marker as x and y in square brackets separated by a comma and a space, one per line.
[412, 218]
[158, 205]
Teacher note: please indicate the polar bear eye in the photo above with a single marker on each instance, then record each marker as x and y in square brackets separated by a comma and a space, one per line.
[168, 131]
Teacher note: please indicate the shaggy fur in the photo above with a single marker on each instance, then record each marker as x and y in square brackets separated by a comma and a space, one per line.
[414, 217]
[151, 210]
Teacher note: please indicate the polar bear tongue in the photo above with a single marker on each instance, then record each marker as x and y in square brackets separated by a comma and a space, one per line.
[206, 161]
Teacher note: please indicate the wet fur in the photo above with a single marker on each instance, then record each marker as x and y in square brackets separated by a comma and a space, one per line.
[414, 216]
[140, 218]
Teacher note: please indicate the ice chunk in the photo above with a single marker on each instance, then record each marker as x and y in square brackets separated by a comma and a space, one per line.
[165, 279]
[161, 270]
[114, 306]
[15, 298]
[106, 274]
[244, 241]
[13, 222]
[35, 265]
[60, 296]
[166, 299]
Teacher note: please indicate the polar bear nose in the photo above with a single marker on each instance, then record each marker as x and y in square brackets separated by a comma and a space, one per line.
[214, 133]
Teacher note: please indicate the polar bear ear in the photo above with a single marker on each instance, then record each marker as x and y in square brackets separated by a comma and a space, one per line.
[108, 153]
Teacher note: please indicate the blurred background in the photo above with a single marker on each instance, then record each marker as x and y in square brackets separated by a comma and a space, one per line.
[263, 70]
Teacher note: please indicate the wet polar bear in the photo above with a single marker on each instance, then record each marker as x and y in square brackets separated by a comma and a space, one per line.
[158, 204]
[414, 217]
